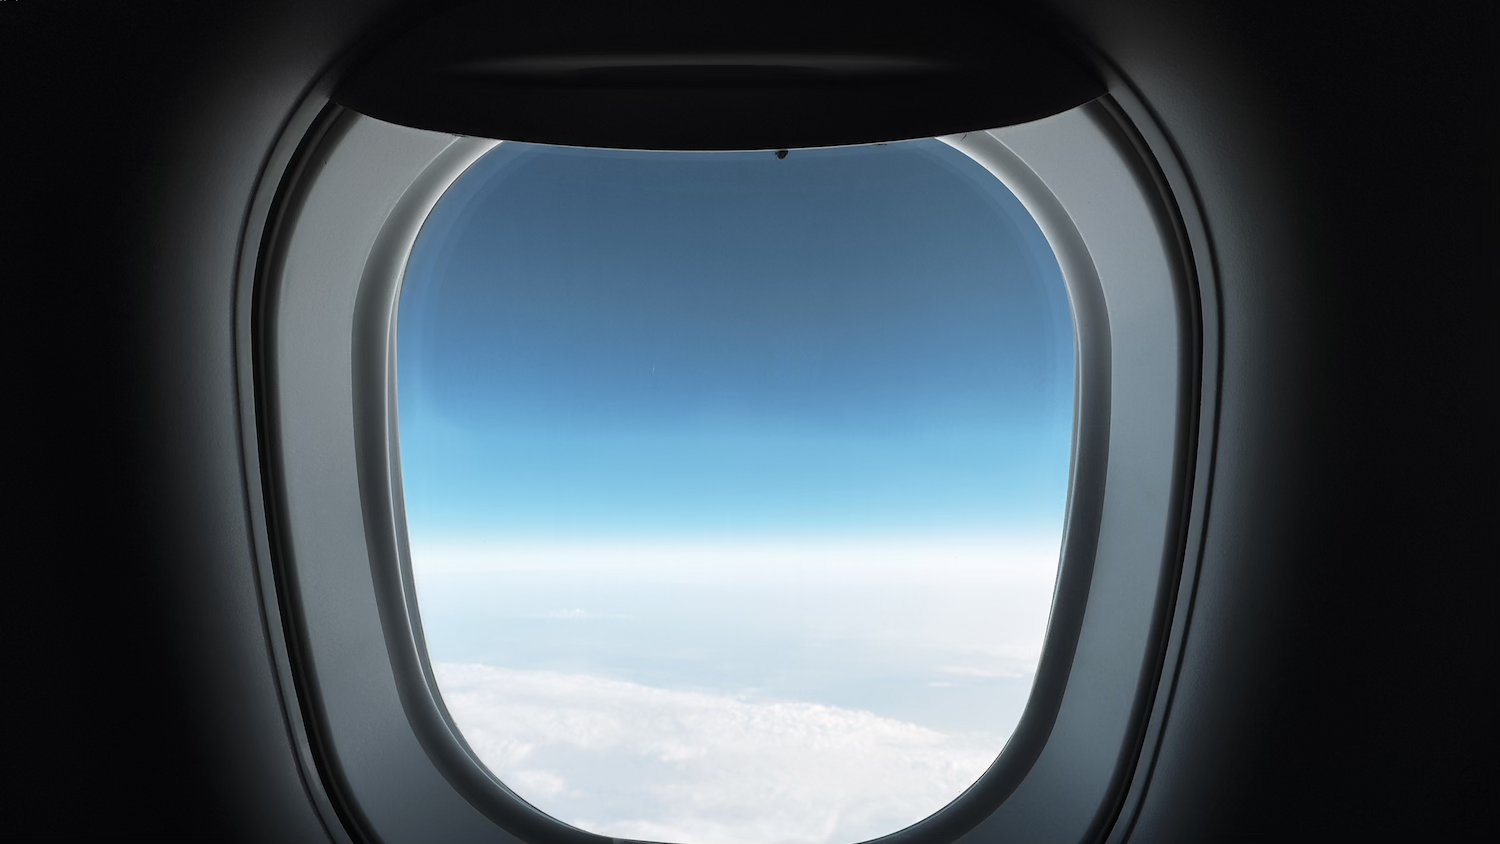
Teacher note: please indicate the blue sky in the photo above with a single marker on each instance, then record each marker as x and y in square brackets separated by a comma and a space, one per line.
[735, 485]
[623, 343]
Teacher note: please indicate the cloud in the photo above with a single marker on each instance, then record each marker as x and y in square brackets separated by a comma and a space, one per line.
[976, 672]
[634, 761]
[574, 614]
[1017, 560]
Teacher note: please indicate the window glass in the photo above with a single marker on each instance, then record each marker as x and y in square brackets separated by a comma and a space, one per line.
[735, 483]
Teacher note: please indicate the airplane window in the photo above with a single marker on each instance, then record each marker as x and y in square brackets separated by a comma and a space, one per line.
[734, 482]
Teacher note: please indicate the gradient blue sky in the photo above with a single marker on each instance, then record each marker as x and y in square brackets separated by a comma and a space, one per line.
[729, 476]
[623, 344]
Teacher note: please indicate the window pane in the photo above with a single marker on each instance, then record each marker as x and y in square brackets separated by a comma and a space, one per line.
[735, 484]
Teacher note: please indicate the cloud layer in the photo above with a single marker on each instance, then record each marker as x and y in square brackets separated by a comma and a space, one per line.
[1000, 558]
[634, 761]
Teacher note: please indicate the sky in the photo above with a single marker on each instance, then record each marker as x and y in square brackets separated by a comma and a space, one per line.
[734, 484]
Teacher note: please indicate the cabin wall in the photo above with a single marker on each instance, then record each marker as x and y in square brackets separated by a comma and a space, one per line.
[1332, 679]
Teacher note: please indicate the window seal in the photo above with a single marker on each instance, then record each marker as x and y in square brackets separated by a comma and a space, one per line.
[288, 560]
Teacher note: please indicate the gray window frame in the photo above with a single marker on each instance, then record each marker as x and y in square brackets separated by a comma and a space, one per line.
[335, 220]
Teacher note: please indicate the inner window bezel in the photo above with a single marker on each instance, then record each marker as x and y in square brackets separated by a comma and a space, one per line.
[993, 158]
[303, 561]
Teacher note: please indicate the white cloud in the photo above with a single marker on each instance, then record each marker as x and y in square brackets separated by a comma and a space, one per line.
[568, 614]
[979, 672]
[989, 559]
[634, 761]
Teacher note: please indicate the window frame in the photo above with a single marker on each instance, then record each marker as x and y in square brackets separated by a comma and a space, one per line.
[377, 746]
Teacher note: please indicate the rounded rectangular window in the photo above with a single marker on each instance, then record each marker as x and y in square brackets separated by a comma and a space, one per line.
[734, 482]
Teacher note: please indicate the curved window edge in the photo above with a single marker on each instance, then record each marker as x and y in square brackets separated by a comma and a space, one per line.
[368, 415]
